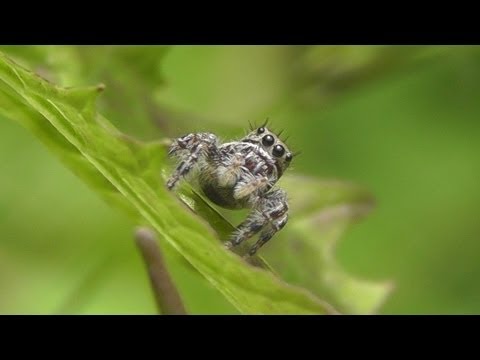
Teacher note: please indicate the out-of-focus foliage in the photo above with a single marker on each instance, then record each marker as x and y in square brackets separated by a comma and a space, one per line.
[121, 170]
[398, 120]
[305, 255]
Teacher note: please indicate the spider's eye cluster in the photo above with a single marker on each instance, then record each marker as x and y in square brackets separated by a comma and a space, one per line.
[278, 150]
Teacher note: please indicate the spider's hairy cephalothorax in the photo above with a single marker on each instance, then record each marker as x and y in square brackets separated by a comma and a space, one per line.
[239, 174]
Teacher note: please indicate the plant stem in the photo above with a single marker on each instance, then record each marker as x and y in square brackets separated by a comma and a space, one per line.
[166, 294]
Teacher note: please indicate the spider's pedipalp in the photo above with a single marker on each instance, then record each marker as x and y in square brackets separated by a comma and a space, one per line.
[229, 170]
[249, 185]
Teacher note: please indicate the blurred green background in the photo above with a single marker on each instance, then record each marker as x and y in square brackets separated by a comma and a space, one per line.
[399, 120]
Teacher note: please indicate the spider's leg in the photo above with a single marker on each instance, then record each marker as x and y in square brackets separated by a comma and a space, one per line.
[253, 224]
[189, 149]
[275, 209]
[270, 215]
[268, 233]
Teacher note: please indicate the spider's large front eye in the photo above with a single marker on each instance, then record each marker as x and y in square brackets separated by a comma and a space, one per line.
[278, 151]
[261, 130]
[268, 140]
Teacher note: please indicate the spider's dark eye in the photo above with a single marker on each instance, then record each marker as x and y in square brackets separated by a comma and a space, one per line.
[268, 140]
[278, 151]
[288, 157]
[261, 130]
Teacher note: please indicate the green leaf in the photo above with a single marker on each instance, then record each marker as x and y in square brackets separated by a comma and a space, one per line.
[120, 169]
[323, 211]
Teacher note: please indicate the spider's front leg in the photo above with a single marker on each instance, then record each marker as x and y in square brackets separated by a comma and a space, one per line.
[189, 149]
[270, 216]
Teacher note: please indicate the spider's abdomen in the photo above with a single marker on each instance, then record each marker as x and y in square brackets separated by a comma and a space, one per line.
[222, 196]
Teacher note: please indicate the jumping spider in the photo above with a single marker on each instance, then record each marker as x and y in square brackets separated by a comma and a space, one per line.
[237, 175]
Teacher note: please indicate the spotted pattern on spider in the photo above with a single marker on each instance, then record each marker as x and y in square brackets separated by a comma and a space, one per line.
[237, 175]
